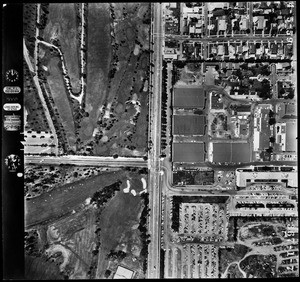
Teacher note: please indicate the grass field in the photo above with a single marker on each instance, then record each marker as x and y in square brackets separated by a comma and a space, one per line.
[98, 61]
[117, 45]
[123, 136]
[64, 199]
[59, 94]
[73, 238]
[37, 268]
[42, 179]
[62, 23]
[119, 222]
[36, 119]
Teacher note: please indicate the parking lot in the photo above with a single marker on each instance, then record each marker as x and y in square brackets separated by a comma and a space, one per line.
[205, 221]
[192, 261]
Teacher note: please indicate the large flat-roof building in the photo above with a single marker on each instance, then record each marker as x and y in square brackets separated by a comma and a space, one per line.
[287, 134]
[189, 125]
[188, 97]
[232, 152]
[247, 176]
[188, 152]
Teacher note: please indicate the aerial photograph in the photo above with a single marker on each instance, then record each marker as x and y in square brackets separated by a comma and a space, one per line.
[160, 140]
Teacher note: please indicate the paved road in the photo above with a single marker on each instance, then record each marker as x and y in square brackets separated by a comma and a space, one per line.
[40, 93]
[153, 270]
[86, 161]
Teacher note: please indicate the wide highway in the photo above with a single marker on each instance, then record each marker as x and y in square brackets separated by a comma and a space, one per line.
[86, 161]
[153, 270]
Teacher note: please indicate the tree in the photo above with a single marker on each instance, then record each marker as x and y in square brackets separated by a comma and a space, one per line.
[269, 150]
[290, 95]
[272, 139]
[272, 121]
[115, 156]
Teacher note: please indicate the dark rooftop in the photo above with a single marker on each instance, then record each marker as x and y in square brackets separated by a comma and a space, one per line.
[189, 97]
[188, 152]
[189, 124]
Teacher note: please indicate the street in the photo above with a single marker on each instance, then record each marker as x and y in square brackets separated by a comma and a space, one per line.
[86, 161]
[153, 270]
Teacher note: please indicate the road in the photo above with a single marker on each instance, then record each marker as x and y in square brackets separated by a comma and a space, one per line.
[86, 161]
[153, 270]
[40, 93]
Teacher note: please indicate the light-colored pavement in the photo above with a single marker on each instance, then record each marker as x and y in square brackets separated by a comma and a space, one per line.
[153, 270]
[86, 161]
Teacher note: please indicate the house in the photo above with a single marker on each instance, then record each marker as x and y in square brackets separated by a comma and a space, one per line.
[259, 21]
[123, 273]
[252, 48]
[222, 25]
[192, 29]
[274, 48]
[244, 22]
[220, 50]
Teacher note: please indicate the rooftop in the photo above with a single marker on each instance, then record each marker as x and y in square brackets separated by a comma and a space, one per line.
[189, 97]
[231, 152]
[123, 273]
[188, 152]
[189, 124]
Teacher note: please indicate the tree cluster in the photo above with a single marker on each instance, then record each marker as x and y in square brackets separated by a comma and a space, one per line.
[102, 196]
[164, 106]
[116, 255]
[177, 200]
[144, 231]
